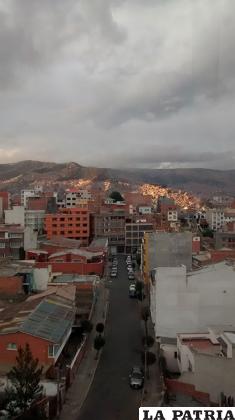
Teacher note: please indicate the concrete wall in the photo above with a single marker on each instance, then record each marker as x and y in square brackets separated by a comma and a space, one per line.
[214, 375]
[15, 216]
[189, 304]
[30, 238]
[170, 249]
[41, 278]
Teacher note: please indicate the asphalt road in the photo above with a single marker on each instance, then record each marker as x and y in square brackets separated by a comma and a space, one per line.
[110, 397]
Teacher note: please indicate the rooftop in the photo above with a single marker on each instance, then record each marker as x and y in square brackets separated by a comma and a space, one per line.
[47, 315]
[50, 320]
[70, 278]
[202, 345]
[78, 252]
[62, 242]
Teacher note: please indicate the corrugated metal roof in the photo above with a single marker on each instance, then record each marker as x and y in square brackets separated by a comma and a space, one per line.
[49, 320]
[78, 252]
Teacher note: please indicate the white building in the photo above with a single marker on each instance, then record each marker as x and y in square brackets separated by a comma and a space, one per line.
[181, 302]
[145, 209]
[215, 218]
[35, 219]
[207, 361]
[15, 216]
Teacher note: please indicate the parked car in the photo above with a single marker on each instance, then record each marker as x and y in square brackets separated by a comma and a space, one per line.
[113, 274]
[132, 290]
[136, 378]
[131, 276]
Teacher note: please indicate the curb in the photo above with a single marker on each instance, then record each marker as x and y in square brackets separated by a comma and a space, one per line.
[96, 365]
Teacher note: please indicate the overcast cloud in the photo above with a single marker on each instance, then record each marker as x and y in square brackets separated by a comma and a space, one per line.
[118, 83]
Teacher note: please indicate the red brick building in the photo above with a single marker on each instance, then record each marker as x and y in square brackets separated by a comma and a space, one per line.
[5, 197]
[73, 223]
[46, 329]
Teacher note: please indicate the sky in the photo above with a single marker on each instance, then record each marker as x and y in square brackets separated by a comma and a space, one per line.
[118, 83]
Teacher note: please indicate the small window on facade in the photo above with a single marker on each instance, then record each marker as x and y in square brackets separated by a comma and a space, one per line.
[11, 346]
[175, 354]
[50, 350]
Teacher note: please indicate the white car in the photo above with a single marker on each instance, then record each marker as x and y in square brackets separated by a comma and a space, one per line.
[113, 274]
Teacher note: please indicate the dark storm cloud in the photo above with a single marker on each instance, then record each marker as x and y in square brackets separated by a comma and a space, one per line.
[118, 82]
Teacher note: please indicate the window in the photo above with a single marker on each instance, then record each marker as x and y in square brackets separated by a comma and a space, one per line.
[175, 355]
[2, 244]
[11, 346]
[50, 350]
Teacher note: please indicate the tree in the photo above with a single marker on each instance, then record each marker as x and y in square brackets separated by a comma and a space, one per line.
[149, 356]
[148, 341]
[139, 287]
[99, 342]
[25, 378]
[100, 327]
[138, 258]
[145, 315]
[116, 196]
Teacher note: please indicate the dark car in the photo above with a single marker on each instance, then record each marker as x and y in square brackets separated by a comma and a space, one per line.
[136, 378]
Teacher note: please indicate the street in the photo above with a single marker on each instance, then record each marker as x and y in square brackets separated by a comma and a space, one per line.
[110, 396]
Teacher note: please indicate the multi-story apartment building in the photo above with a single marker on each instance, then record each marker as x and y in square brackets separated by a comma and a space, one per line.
[73, 223]
[164, 249]
[35, 219]
[168, 209]
[215, 218]
[25, 194]
[11, 241]
[111, 225]
[134, 234]
[73, 198]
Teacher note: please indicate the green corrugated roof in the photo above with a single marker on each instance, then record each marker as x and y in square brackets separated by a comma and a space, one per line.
[50, 320]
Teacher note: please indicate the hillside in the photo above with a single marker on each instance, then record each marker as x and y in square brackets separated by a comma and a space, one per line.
[25, 174]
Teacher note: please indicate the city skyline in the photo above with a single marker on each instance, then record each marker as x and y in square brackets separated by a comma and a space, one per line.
[118, 83]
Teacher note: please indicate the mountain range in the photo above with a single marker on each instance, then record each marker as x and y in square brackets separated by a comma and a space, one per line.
[25, 174]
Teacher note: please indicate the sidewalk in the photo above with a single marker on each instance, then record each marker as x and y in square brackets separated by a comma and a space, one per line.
[153, 391]
[79, 389]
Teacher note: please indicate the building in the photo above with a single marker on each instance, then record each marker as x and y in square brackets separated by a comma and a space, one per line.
[73, 198]
[189, 302]
[15, 216]
[134, 234]
[25, 194]
[58, 243]
[72, 223]
[110, 225]
[5, 200]
[145, 210]
[207, 362]
[45, 326]
[11, 241]
[224, 240]
[164, 249]
[215, 218]
[196, 244]
[35, 219]
[168, 209]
